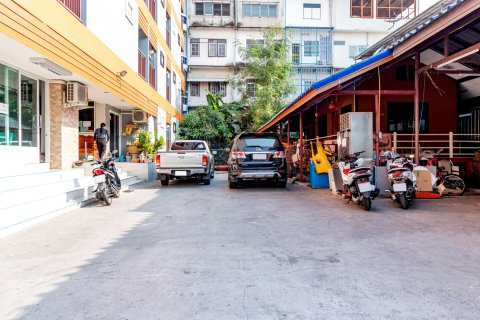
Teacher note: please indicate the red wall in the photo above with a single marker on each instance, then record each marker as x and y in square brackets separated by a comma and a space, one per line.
[442, 107]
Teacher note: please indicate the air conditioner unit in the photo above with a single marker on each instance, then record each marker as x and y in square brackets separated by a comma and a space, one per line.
[139, 116]
[77, 95]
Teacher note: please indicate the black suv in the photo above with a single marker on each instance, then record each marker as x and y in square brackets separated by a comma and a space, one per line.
[257, 156]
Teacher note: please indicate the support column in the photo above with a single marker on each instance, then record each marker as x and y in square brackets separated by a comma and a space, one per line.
[377, 129]
[417, 109]
[63, 129]
[288, 132]
[300, 156]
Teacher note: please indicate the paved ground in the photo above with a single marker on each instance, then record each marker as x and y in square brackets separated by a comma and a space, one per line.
[190, 251]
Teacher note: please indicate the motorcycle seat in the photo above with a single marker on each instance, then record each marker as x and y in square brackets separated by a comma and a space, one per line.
[397, 169]
[359, 169]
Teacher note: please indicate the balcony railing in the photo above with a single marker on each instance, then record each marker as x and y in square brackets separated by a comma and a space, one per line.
[152, 6]
[167, 38]
[142, 65]
[152, 76]
[75, 6]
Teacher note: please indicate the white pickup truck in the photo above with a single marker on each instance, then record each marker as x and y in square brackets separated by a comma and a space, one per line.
[186, 159]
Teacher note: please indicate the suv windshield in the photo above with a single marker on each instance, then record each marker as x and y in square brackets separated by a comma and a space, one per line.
[188, 145]
[258, 144]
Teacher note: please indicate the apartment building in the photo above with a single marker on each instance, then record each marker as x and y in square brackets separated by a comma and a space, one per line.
[216, 28]
[324, 36]
[68, 65]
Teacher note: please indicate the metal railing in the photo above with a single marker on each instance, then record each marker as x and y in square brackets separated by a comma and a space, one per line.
[152, 76]
[74, 6]
[142, 65]
[453, 144]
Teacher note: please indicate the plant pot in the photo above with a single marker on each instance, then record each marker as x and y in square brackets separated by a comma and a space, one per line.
[133, 149]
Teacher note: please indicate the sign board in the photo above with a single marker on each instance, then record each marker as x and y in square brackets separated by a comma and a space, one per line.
[4, 108]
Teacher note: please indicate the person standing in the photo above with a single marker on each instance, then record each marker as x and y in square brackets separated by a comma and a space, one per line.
[101, 137]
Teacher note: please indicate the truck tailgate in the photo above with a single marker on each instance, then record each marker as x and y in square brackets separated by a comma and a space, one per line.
[181, 159]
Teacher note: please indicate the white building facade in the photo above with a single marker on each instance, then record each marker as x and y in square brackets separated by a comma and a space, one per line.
[216, 29]
[324, 36]
[126, 64]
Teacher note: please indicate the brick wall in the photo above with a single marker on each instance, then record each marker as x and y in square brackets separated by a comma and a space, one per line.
[63, 130]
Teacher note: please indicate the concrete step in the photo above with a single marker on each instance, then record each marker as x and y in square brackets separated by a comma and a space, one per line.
[23, 169]
[48, 195]
[27, 180]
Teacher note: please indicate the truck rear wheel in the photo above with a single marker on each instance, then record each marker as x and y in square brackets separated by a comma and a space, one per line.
[165, 181]
[206, 180]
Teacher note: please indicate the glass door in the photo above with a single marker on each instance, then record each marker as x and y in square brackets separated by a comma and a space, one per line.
[29, 111]
[9, 134]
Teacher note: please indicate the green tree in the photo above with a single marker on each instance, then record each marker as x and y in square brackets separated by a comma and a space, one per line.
[268, 72]
[205, 123]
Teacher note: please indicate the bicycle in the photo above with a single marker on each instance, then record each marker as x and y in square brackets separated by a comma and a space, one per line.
[448, 175]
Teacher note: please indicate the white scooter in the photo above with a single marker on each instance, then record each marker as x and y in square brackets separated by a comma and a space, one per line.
[356, 181]
[403, 183]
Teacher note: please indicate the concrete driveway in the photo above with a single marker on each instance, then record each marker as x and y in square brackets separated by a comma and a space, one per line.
[188, 251]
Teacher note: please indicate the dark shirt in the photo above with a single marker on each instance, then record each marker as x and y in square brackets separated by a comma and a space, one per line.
[101, 134]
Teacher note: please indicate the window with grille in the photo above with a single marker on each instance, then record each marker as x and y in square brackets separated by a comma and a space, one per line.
[217, 47]
[195, 47]
[339, 42]
[251, 88]
[218, 88]
[389, 9]
[356, 50]
[296, 53]
[310, 48]
[259, 10]
[311, 11]
[361, 8]
[195, 89]
[251, 43]
[210, 8]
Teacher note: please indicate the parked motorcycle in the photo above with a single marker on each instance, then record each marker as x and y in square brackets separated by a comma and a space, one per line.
[106, 179]
[403, 183]
[356, 181]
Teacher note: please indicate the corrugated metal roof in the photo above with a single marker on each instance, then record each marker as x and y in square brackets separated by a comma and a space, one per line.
[410, 28]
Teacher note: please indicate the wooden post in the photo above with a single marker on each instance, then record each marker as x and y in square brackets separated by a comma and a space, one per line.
[417, 109]
[300, 156]
[288, 133]
[450, 145]
[377, 130]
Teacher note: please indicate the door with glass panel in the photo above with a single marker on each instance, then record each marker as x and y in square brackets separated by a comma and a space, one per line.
[29, 111]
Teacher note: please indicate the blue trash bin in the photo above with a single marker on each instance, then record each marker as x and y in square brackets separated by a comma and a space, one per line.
[318, 180]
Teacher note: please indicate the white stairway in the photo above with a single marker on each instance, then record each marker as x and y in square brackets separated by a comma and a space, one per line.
[39, 193]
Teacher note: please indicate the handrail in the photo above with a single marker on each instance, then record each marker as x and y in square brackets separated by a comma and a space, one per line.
[458, 144]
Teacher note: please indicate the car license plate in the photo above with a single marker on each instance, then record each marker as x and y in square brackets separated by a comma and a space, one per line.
[181, 173]
[259, 156]
[399, 187]
[99, 179]
[365, 187]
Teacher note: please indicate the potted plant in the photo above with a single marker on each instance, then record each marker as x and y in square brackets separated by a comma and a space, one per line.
[133, 131]
[147, 146]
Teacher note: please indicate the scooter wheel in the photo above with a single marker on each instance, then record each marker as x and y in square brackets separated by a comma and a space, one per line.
[367, 204]
[106, 197]
[403, 201]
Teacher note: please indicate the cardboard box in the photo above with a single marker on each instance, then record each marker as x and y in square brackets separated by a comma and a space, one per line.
[424, 180]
